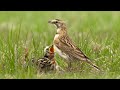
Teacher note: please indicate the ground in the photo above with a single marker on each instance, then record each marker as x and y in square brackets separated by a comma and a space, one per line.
[28, 33]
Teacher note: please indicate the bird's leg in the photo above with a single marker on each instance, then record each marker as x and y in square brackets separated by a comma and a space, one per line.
[69, 66]
[59, 69]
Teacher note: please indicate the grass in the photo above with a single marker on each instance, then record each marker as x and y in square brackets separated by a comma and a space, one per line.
[96, 33]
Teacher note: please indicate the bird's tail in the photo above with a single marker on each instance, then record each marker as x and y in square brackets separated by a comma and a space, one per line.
[95, 66]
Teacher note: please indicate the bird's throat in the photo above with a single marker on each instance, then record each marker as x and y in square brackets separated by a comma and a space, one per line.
[58, 31]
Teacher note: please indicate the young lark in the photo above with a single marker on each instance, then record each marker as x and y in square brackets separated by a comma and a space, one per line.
[64, 46]
[48, 62]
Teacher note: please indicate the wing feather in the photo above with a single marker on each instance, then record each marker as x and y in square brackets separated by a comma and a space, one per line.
[68, 47]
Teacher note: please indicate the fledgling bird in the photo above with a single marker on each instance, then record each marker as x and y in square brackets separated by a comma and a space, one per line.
[48, 62]
[65, 47]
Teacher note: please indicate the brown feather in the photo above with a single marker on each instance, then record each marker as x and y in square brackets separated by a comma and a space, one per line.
[66, 46]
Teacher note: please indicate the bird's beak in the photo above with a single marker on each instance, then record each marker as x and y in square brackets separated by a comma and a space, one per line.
[49, 21]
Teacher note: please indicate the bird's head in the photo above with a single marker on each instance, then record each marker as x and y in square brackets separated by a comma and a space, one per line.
[58, 23]
[49, 51]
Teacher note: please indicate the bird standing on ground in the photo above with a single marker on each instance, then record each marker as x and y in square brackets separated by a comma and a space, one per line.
[64, 46]
[48, 62]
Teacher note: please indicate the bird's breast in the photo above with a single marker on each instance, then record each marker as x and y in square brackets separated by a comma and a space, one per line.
[62, 54]
[56, 36]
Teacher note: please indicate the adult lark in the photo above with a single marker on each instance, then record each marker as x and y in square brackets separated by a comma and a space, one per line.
[64, 46]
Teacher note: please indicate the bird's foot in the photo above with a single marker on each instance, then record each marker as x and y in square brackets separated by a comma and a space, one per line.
[60, 69]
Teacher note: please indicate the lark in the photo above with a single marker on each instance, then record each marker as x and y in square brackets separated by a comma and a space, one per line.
[65, 47]
[48, 62]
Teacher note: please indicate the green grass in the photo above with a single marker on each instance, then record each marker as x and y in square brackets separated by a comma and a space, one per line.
[96, 33]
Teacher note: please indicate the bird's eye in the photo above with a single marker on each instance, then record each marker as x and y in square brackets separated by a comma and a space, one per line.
[56, 22]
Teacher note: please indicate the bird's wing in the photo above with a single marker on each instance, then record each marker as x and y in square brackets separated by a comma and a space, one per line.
[69, 48]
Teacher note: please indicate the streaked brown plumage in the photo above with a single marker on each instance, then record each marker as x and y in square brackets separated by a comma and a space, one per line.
[48, 62]
[64, 46]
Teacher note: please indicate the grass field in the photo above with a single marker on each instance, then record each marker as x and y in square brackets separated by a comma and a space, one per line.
[96, 33]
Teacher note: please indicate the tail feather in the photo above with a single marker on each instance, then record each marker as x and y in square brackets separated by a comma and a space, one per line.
[95, 66]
